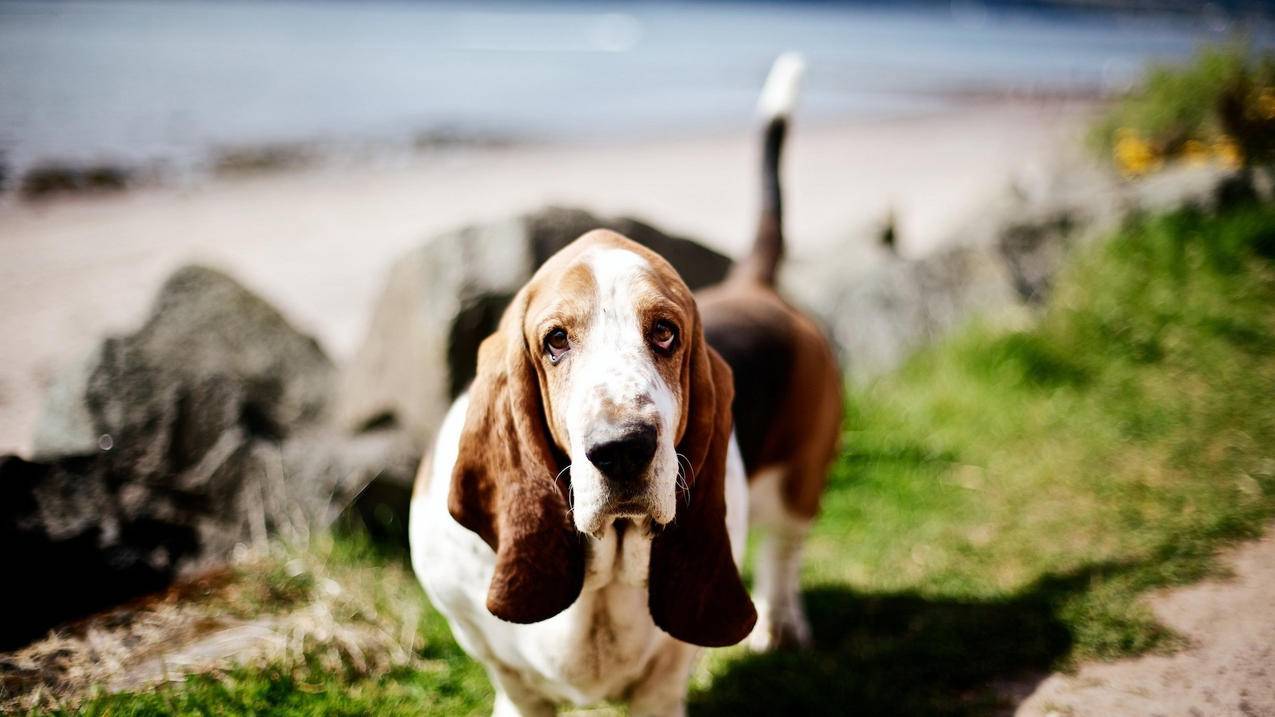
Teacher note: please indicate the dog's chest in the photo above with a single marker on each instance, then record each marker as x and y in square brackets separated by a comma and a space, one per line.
[594, 650]
[598, 647]
[601, 647]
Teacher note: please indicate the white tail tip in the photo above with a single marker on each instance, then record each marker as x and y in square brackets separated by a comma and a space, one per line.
[779, 95]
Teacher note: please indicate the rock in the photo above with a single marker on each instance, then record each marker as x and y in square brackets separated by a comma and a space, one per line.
[369, 474]
[52, 179]
[1035, 246]
[879, 317]
[999, 266]
[166, 448]
[210, 355]
[71, 547]
[443, 298]
[1036, 235]
[553, 228]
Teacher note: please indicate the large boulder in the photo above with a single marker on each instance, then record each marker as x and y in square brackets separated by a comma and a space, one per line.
[165, 448]
[211, 355]
[444, 297]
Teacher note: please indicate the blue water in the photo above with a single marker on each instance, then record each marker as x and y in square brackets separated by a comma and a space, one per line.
[167, 82]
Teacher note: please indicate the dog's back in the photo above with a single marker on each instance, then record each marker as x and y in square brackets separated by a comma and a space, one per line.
[787, 388]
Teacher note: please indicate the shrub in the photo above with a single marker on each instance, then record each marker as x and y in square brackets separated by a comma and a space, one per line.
[1219, 107]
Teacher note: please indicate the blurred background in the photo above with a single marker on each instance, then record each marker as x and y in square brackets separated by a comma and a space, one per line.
[248, 249]
[388, 121]
[175, 87]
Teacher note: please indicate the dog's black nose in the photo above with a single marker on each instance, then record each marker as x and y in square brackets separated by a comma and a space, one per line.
[625, 458]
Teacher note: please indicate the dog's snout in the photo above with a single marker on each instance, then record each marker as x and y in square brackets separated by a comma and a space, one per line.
[627, 457]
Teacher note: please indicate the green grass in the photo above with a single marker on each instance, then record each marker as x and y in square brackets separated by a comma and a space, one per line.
[275, 690]
[1000, 505]
[1004, 499]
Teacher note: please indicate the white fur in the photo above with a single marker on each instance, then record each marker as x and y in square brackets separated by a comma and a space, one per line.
[605, 646]
[613, 366]
[777, 570]
[779, 94]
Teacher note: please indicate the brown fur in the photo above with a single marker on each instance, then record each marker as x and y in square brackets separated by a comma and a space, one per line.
[801, 419]
[503, 485]
[696, 594]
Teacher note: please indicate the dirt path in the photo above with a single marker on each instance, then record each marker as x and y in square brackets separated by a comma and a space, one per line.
[1229, 669]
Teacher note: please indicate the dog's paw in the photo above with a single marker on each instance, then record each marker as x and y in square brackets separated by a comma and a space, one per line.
[780, 629]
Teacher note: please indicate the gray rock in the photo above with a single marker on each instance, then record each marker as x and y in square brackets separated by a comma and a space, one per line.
[1035, 235]
[211, 349]
[877, 318]
[76, 542]
[169, 446]
[998, 266]
[443, 298]
[1034, 247]
[553, 228]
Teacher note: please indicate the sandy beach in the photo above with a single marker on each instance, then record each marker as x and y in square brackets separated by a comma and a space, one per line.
[318, 242]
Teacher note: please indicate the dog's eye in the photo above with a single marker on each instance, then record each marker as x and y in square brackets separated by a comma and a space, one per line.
[556, 344]
[663, 336]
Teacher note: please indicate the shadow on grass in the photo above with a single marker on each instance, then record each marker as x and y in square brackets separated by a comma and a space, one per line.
[904, 654]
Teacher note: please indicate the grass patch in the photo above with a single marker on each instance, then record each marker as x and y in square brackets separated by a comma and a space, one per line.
[1004, 500]
[348, 631]
[1000, 504]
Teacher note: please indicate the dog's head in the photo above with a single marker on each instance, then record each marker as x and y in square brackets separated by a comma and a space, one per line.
[598, 399]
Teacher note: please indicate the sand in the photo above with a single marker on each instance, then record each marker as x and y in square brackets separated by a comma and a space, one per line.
[1228, 670]
[318, 242]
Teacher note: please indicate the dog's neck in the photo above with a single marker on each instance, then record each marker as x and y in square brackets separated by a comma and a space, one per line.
[621, 556]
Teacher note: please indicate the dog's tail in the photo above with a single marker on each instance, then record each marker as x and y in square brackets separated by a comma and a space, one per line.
[778, 97]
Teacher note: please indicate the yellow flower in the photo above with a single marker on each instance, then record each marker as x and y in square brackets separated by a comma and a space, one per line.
[1228, 152]
[1195, 152]
[1134, 156]
[1266, 103]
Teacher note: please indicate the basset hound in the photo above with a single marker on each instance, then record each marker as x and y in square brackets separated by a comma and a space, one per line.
[582, 517]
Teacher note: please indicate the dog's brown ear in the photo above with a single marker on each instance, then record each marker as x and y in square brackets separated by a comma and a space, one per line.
[504, 488]
[696, 593]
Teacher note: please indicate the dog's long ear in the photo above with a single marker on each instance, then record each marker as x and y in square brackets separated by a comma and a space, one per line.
[696, 593]
[504, 488]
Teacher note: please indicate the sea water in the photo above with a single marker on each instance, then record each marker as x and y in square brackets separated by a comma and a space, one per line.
[172, 83]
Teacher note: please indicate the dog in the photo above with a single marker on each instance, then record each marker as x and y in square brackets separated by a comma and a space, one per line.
[582, 518]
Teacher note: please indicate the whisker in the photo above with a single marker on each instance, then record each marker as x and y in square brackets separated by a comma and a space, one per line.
[571, 501]
[564, 470]
[689, 468]
[680, 479]
[682, 475]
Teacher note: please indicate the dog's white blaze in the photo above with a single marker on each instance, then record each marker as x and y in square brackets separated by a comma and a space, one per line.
[614, 368]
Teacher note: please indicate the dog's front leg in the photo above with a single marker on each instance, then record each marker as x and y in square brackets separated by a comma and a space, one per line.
[662, 690]
[515, 698]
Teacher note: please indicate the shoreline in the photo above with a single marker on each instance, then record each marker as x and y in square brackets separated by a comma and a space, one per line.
[55, 178]
[318, 242]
